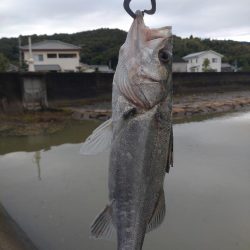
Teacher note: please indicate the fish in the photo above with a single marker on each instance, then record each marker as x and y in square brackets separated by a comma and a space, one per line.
[139, 136]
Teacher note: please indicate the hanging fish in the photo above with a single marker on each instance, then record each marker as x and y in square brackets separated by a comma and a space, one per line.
[139, 135]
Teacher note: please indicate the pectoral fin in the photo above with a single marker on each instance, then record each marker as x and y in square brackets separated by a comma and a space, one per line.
[102, 227]
[158, 214]
[99, 140]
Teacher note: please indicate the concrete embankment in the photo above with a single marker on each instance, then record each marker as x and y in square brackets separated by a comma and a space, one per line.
[11, 236]
[38, 90]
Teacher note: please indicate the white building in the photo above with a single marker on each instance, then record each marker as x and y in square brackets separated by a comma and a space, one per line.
[53, 55]
[179, 67]
[203, 61]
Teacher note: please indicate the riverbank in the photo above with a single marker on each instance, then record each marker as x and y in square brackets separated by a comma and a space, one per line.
[52, 121]
[184, 106]
[11, 236]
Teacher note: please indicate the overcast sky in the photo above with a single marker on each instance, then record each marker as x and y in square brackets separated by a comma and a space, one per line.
[219, 19]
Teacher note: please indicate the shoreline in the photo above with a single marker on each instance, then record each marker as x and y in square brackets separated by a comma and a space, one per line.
[54, 120]
[184, 107]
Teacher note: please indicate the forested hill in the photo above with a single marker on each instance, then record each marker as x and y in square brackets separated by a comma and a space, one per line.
[102, 46]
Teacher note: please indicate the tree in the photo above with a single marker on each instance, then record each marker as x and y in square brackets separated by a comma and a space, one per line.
[206, 65]
[4, 63]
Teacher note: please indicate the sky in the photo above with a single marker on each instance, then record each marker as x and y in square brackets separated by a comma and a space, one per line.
[215, 19]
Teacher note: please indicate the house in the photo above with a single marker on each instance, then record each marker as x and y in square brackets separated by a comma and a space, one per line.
[12, 68]
[179, 66]
[52, 55]
[226, 67]
[102, 68]
[203, 61]
[96, 68]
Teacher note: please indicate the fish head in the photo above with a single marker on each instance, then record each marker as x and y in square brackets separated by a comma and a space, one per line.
[145, 61]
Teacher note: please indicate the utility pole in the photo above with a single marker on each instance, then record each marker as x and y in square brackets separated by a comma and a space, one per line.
[31, 60]
[235, 65]
[20, 52]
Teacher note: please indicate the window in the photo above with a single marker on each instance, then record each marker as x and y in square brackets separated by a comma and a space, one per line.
[196, 60]
[67, 55]
[38, 58]
[52, 55]
[214, 60]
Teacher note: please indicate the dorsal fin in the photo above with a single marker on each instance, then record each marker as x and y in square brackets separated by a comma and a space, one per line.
[170, 156]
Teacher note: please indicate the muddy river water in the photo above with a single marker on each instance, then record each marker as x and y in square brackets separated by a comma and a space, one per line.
[54, 193]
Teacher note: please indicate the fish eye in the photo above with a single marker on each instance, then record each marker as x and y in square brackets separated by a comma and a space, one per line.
[164, 56]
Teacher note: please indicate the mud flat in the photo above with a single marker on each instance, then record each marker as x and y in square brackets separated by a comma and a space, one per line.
[11, 236]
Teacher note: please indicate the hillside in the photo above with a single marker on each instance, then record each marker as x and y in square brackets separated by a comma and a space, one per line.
[101, 46]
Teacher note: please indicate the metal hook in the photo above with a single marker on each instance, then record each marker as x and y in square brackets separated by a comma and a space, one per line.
[132, 14]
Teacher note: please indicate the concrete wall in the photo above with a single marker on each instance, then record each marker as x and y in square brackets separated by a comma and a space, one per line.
[72, 86]
[211, 82]
[10, 92]
[34, 92]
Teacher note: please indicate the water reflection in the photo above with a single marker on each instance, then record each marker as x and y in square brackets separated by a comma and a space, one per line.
[207, 191]
[75, 133]
[36, 160]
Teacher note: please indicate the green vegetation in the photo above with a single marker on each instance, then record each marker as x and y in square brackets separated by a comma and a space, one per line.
[4, 63]
[205, 65]
[102, 46]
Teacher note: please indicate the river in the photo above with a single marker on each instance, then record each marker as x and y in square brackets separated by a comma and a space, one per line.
[54, 193]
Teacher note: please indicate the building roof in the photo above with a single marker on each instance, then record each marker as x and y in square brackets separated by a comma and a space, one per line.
[51, 45]
[193, 55]
[47, 67]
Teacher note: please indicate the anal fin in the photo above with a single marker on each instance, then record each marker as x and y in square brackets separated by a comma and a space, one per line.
[102, 227]
[158, 213]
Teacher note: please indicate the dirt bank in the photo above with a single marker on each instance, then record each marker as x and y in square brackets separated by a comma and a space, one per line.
[34, 123]
[184, 106]
[11, 236]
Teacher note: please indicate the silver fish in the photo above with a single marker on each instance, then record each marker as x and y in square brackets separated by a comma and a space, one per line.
[140, 136]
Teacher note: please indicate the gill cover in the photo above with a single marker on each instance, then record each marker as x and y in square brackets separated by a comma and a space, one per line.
[140, 74]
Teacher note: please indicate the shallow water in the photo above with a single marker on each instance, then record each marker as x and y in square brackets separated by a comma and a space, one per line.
[54, 193]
